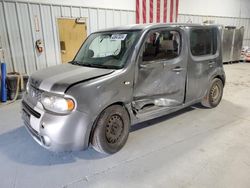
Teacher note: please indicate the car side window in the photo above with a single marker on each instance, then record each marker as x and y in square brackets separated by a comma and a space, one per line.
[203, 42]
[162, 45]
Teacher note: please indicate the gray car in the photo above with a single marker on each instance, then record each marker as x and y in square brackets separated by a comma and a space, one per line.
[120, 77]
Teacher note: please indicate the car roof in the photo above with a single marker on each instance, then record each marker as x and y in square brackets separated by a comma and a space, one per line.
[153, 26]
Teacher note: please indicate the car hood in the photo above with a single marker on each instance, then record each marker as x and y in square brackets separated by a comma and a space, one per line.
[60, 77]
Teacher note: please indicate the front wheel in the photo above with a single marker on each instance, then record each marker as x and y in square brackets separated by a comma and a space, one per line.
[112, 130]
[214, 94]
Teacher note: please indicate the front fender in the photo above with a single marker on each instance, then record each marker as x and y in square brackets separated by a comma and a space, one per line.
[94, 96]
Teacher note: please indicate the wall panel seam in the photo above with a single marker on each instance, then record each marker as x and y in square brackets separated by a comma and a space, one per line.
[54, 31]
[8, 37]
[33, 37]
[43, 34]
[21, 38]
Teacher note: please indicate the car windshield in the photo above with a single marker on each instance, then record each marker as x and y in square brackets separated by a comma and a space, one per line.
[106, 50]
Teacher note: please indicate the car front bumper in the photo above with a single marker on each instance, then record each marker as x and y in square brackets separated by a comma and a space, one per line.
[56, 132]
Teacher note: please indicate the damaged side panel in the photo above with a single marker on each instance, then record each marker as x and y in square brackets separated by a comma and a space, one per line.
[160, 82]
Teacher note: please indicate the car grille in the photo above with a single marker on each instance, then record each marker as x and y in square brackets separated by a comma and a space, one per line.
[31, 130]
[31, 111]
[35, 93]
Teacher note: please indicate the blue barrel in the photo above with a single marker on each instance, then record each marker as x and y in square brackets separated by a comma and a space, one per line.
[3, 83]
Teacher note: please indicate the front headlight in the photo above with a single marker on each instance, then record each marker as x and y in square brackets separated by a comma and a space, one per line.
[57, 104]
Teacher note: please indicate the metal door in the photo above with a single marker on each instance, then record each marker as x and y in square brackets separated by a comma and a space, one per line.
[205, 57]
[227, 44]
[237, 44]
[71, 35]
[160, 82]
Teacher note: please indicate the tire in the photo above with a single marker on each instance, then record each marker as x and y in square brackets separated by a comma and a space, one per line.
[214, 94]
[112, 130]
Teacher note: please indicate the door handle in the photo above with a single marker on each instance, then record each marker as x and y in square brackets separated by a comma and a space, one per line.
[63, 47]
[211, 63]
[177, 69]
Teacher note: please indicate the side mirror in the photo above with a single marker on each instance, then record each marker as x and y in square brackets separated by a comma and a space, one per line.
[148, 64]
[90, 53]
[151, 64]
[143, 65]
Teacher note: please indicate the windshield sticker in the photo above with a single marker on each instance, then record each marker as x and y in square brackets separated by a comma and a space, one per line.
[118, 36]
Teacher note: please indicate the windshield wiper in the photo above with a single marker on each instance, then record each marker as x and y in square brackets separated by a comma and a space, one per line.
[104, 66]
[76, 62]
[80, 63]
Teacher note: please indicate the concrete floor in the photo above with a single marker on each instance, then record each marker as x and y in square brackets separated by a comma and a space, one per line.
[192, 148]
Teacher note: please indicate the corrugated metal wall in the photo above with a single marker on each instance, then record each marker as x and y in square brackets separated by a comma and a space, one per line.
[232, 21]
[22, 23]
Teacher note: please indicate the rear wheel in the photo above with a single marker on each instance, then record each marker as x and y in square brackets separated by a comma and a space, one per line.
[112, 130]
[214, 94]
